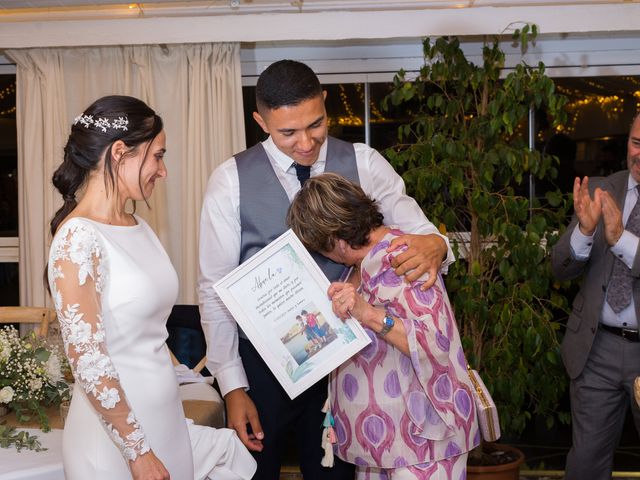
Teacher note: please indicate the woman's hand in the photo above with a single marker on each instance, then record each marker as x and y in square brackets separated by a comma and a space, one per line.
[347, 302]
[148, 467]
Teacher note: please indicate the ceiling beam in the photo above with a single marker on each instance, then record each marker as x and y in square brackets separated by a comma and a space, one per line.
[474, 19]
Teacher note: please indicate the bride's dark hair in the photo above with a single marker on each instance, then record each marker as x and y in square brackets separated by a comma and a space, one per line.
[105, 121]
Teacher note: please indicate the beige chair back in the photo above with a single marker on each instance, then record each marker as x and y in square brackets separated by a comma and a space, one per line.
[40, 316]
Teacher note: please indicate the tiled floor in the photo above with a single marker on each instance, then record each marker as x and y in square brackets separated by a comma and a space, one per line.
[290, 476]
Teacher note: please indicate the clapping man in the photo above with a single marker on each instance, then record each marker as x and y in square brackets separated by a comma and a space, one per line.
[601, 346]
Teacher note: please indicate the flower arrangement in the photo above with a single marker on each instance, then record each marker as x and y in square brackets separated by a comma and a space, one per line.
[32, 376]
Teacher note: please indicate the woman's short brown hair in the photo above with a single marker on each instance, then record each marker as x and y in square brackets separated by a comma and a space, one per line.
[330, 207]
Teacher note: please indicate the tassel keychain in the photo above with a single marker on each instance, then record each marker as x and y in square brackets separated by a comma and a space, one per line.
[328, 437]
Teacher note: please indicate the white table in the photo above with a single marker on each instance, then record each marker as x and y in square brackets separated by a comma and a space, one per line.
[30, 465]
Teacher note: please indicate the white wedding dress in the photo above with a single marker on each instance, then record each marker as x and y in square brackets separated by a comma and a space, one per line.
[114, 287]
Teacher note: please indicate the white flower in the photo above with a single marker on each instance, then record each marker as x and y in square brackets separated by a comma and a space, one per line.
[131, 419]
[93, 365]
[99, 336]
[5, 349]
[108, 397]
[35, 385]
[79, 332]
[53, 367]
[6, 395]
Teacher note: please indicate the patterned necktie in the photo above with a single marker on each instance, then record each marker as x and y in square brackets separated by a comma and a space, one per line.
[303, 172]
[621, 283]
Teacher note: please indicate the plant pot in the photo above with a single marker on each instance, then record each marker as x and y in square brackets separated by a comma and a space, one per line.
[3, 410]
[504, 471]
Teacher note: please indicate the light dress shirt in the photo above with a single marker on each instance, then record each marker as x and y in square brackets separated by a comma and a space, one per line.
[220, 240]
[625, 249]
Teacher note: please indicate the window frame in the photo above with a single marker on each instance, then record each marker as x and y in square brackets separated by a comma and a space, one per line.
[9, 246]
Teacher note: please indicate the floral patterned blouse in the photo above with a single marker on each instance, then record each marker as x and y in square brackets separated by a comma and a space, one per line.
[393, 410]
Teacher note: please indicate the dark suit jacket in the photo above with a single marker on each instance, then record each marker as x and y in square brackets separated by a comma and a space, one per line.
[582, 326]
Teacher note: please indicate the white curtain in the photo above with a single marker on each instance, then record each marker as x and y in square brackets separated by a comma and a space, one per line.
[196, 89]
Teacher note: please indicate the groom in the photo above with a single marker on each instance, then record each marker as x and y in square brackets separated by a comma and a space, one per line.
[244, 209]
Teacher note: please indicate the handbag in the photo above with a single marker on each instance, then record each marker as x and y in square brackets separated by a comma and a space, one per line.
[486, 408]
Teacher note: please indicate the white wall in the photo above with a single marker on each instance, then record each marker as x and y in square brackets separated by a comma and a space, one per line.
[568, 55]
[366, 39]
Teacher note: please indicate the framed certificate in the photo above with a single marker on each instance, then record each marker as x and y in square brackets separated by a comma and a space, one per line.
[279, 299]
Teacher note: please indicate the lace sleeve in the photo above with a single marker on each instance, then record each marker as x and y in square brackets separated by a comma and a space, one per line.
[77, 275]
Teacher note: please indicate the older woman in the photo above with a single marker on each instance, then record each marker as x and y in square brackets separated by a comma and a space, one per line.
[403, 406]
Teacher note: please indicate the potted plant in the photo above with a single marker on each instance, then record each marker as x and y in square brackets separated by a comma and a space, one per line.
[465, 158]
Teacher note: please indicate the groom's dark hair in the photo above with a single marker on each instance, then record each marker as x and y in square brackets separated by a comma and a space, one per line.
[286, 83]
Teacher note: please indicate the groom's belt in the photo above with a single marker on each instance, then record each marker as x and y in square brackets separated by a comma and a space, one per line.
[627, 333]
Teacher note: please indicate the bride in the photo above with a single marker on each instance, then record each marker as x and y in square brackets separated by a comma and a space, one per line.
[113, 286]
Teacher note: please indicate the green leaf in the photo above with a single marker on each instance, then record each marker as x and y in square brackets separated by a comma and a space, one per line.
[18, 439]
[42, 354]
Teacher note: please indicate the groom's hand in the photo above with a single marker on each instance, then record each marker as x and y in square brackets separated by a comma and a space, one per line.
[424, 254]
[241, 411]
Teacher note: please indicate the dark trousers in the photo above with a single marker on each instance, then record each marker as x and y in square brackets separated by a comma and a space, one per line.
[282, 418]
[600, 397]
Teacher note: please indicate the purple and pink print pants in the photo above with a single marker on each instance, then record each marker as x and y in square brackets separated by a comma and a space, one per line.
[454, 468]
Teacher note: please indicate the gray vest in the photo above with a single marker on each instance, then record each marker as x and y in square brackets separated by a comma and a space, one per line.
[264, 202]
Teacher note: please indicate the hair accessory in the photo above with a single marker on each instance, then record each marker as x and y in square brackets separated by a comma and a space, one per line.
[102, 123]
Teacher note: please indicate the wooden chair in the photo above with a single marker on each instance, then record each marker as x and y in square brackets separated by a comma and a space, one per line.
[40, 316]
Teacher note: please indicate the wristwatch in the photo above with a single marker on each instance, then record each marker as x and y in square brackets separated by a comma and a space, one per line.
[387, 324]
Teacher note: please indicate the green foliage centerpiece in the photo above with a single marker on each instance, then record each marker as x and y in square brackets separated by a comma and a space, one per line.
[465, 160]
[32, 378]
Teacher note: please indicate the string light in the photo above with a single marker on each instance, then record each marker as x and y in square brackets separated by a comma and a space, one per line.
[350, 119]
[375, 113]
[6, 93]
[8, 90]
[611, 105]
